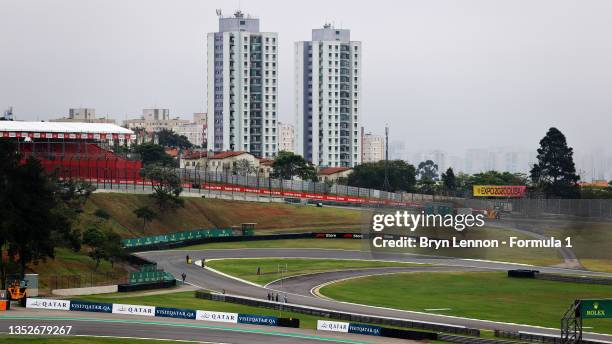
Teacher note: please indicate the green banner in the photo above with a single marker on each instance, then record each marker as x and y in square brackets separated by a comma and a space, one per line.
[181, 236]
[596, 308]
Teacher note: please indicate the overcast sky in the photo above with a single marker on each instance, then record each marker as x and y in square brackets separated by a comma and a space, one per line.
[443, 74]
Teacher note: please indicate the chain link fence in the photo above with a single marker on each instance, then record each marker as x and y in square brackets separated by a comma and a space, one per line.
[84, 280]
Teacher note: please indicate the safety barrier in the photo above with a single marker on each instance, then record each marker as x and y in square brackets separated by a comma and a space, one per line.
[370, 330]
[331, 314]
[521, 273]
[158, 311]
[537, 337]
[170, 245]
[177, 236]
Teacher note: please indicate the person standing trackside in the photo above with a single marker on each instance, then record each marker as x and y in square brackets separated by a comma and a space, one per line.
[183, 276]
[187, 259]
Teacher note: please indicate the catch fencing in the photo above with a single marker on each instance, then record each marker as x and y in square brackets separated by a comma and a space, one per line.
[83, 280]
[591, 208]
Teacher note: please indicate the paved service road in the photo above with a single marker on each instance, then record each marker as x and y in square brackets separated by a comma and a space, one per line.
[174, 262]
[104, 324]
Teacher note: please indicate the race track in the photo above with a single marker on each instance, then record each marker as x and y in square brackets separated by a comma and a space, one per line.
[139, 327]
[174, 262]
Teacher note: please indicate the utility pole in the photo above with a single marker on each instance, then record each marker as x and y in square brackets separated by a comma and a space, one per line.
[386, 185]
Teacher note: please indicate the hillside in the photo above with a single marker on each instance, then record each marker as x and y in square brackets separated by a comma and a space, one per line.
[210, 213]
[197, 213]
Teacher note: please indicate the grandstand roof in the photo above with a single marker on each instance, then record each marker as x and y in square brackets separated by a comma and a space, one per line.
[63, 130]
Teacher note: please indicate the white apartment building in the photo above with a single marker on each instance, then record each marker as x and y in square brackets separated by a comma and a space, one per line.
[373, 147]
[192, 131]
[327, 98]
[286, 137]
[242, 65]
[85, 115]
[156, 120]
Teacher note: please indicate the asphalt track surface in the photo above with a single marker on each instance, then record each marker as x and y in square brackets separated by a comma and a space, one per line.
[141, 327]
[174, 262]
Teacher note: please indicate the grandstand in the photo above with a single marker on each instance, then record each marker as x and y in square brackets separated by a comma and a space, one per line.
[75, 150]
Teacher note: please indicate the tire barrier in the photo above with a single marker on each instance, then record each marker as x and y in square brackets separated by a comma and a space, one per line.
[122, 288]
[163, 312]
[522, 273]
[330, 314]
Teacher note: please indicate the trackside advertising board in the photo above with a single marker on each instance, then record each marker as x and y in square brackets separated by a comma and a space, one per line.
[63, 305]
[217, 316]
[152, 311]
[257, 320]
[499, 190]
[596, 308]
[168, 312]
[85, 306]
[365, 329]
[338, 326]
[133, 309]
[334, 326]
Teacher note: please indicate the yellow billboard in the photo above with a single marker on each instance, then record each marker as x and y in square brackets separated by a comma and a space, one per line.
[499, 190]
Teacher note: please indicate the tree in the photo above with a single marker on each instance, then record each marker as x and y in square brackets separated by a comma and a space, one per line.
[103, 245]
[146, 214]
[448, 180]
[555, 173]
[498, 178]
[95, 239]
[151, 154]
[428, 169]
[114, 248]
[38, 211]
[243, 167]
[169, 138]
[166, 186]
[372, 175]
[426, 185]
[33, 221]
[9, 160]
[288, 165]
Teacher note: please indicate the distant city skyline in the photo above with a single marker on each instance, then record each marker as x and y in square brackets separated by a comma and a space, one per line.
[456, 76]
[590, 165]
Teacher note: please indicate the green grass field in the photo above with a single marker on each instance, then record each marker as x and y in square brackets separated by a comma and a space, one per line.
[270, 268]
[481, 295]
[77, 340]
[209, 213]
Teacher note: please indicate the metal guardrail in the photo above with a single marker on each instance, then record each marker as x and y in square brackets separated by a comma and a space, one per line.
[331, 314]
